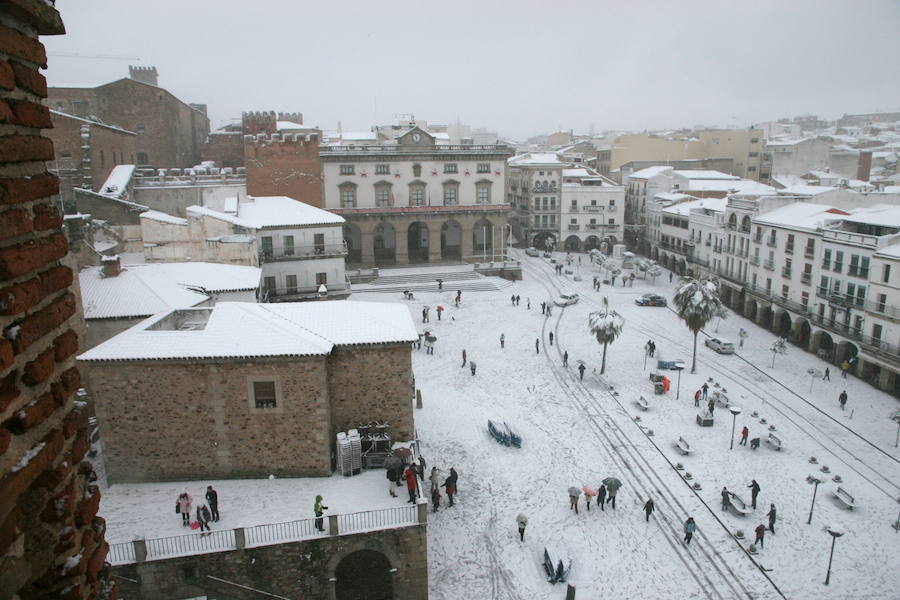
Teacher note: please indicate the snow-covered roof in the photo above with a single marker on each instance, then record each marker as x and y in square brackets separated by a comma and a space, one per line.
[242, 330]
[672, 196]
[740, 186]
[144, 290]
[885, 215]
[117, 182]
[892, 251]
[162, 217]
[650, 172]
[705, 174]
[260, 212]
[288, 125]
[549, 159]
[806, 190]
[576, 173]
[684, 208]
[800, 215]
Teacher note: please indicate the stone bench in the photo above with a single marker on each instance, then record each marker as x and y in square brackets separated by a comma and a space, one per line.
[774, 441]
[683, 446]
[845, 498]
[643, 403]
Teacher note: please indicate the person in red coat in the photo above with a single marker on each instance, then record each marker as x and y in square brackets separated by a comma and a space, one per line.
[760, 535]
[411, 483]
[450, 486]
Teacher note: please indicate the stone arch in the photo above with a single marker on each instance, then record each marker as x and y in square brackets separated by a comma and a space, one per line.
[745, 224]
[750, 309]
[384, 243]
[542, 239]
[682, 266]
[654, 253]
[781, 324]
[766, 317]
[417, 242]
[451, 240]
[573, 244]
[732, 221]
[802, 332]
[483, 238]
[846, 351]
[353, 241]
[591, 243]
[611, 240]
[823, 345]
[363, 575]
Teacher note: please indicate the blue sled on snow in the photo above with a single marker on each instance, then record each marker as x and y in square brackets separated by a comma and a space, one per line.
[504, 435]
[560, 572]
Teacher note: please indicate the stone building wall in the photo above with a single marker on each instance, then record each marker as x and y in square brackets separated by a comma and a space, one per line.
[372, 384]
[51, 541]
[180, 420]
[296, 570]
[285, 165]
[225, 148]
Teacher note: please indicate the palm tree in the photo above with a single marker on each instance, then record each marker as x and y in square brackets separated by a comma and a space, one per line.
[697, 303]
[606, 325]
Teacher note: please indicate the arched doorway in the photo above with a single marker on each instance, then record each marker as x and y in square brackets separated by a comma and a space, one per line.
[483, 239]
[353, 241]
[417, 242]
[766, 317]
[573, 244]
[802, 333]
[544, 241]
[847, 351]
[611, 240]
[682, 266]
[823, 345]
[750, 309]
[591, 243]
[654, 253]
[451, 241]
[783, 325]
[385, 242]
[364, 575]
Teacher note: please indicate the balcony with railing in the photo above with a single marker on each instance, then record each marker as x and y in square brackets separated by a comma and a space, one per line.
[573, 227]
[282, 253]
[593, 208]
[789, 249]
[771, 242]
[805, 278]
[785, 272]
[809, 252]
[754, 260]
[861, 272]
[769, 264]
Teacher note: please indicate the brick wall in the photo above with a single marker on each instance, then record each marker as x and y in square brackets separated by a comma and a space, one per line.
[295, 570]
[226, 149]
[51, 541]
[285, 166]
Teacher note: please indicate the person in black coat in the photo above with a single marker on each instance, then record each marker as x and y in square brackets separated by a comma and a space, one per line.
[754, 492]
[771, 514]
[601, 496]
[726, 498]
[648, 508]
[212, 497]
[203, 517]
[449, 486]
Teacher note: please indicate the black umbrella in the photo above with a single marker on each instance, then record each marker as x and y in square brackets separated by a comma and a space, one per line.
[612, 482]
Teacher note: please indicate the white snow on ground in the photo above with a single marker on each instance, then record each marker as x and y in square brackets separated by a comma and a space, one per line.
[577, 433]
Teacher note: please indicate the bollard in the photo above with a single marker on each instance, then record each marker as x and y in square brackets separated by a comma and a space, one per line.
[140, 549]
[240, 540]
[423, 512]
[418, 398]
[332, 525]
[570, 592]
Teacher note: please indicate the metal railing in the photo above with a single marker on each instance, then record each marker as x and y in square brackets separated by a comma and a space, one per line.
[805, 278]
[769, 264]
[754, 260]
[592, 208]
[789, 249]
[809, 252]
[785, 272]
[393, 149]
[771, 243]
[862, 272]
[141, 550]
[573, 227]
[305, 251]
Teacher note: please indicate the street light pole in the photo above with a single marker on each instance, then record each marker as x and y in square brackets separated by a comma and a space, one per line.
[678, 387]
[735, 411]
[834, 536]
[815, 481]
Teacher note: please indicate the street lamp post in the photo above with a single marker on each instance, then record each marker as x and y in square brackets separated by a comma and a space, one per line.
[835, 534]
[678, 387]
[815, 481]
[735, 411]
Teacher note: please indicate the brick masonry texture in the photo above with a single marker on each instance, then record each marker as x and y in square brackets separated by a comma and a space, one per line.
[285, 168]
[294, 570]
[48, 505]
[193, 420]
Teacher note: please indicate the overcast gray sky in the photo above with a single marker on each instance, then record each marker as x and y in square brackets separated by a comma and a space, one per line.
[521, 67]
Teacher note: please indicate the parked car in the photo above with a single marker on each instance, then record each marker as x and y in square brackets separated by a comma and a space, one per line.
[566, 299]
[721, 346]
[650, 300]
[532, 251]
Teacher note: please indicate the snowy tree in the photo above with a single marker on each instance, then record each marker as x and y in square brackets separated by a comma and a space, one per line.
[606, 325]
[779, 346]
[654, 271]
[697, 303]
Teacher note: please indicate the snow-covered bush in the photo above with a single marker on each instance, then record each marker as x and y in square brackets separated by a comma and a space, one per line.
[778, 347]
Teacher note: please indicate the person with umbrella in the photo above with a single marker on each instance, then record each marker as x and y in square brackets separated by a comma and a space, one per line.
[439, 310]
[588, 494]
[574, 493]
[612, 484]
[601, 496]
[430, 339]
[522, 522]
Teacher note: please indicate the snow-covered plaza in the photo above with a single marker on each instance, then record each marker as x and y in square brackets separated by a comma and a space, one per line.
[578, 432]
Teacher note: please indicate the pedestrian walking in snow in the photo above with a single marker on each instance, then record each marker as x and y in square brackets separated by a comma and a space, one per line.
[522, 522]
[611, 496]
[439, 310]
[697, 397]
[631, 280]
[845, 366]
[472, 367]
[726, 498]
[425, 314]
[212, 497]
[411, 484]
[203, 517]
[689, 526]
[843, 399]
[771, 514]
[827, 376]
[711, 407]
[745, 433]
[670, 276]
[624, 280]
[549, 310]
[421, 468]
[406, 294]
[449, 485]
[652, 348]
[574, 493]
[502, 341]
[566, 358]
[512, 299]
[440, 283]
[742, 335]
[588, 496]
[528, 303]
[543, 307]
[760, 535]
[429, 344]
[391, 472]
[705, 389]
[183, 506]
[537, 346]
[648, 509]
[518, 299]
[464, 359]
[319, 509]
[601, 496]
[551, 338]
[435, 499]
[581, 369]
[754, 492]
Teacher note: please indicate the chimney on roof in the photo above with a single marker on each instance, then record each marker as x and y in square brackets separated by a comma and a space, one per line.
[863, 170]
[143, 74]
[111, 266]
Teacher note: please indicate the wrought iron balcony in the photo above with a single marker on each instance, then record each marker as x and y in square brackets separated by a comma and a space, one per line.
[805, 278]
[277, 254]
[754, 260]
[769, 264]
[785, 272]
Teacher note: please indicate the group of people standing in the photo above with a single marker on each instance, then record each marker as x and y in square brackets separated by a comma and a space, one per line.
[204, 514]
[415, 471]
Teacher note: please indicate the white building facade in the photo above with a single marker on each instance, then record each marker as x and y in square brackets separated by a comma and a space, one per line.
[592, 211]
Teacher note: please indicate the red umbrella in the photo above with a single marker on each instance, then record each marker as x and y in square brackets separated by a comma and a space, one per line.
[588, 491]
[402, 452]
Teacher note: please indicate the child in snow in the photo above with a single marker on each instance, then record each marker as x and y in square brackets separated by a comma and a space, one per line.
[521, 521]
[435, 499]
[203, 517]
[184, 507]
